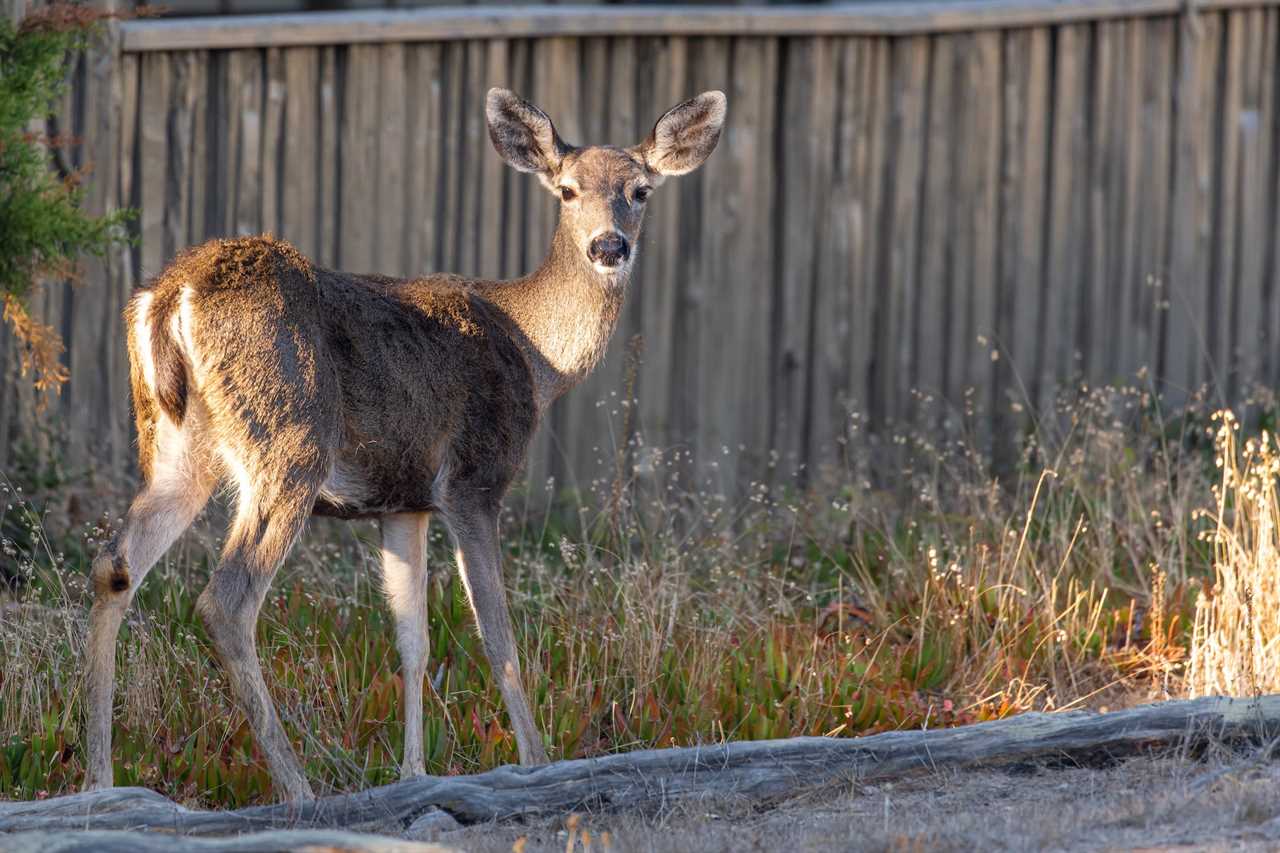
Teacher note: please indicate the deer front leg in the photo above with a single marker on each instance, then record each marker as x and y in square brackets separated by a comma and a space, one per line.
[479, 564]
[404, 581]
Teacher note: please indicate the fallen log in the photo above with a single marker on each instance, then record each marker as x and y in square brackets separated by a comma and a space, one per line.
[294, 841]
[759, 771]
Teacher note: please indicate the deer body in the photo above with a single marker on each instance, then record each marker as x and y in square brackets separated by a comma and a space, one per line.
[311, 391]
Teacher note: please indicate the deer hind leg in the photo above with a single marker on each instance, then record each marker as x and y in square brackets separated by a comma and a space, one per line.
[404, 581]
[475, 532]
[271, 509]
[178, 488]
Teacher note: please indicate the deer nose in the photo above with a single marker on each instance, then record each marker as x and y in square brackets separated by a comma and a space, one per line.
[609, 249]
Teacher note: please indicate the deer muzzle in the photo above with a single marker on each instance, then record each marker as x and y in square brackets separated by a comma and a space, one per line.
[609, 250]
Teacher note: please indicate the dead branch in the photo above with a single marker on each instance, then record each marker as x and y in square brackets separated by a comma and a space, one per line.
[760, 771]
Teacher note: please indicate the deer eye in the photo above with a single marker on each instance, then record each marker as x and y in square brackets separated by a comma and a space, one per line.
[641, 194]
[568, 193]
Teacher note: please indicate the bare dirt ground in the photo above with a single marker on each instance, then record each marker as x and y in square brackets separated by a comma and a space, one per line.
[1223, 802]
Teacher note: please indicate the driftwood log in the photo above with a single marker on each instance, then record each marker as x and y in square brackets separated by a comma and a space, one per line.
[759, 771]
[295, 841]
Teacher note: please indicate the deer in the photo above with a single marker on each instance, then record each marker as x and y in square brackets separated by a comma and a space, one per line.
[307, 391]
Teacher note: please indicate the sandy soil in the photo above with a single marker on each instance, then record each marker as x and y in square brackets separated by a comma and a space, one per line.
[1220, 802]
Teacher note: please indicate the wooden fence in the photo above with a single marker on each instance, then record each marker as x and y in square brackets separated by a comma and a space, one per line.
[978, 201]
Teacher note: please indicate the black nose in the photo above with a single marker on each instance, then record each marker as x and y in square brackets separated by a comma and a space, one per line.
[609, 250]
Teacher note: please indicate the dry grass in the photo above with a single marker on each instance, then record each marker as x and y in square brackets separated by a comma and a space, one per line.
[908, 587]
[1236, 643]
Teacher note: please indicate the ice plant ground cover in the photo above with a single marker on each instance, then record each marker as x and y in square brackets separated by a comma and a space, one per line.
[907, 586]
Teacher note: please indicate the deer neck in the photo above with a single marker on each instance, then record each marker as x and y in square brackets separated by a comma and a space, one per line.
[566, 311]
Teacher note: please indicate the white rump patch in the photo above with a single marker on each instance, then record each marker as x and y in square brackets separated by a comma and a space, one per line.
[142, 338]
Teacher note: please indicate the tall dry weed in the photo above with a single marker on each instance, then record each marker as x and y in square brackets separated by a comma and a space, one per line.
[1235, 648]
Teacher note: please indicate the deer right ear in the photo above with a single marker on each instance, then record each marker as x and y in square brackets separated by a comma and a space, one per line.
[522, 134]
[685, 137]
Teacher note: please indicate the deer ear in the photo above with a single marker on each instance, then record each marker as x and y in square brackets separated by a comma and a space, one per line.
[522, 133]
[686, 135]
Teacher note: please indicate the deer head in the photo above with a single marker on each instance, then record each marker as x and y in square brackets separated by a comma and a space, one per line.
[603, 189]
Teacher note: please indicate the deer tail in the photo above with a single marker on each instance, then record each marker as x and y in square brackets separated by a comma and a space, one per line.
[171, 368]
[158, 364]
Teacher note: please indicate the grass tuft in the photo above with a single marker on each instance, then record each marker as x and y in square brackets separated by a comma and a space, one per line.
[1236, 640]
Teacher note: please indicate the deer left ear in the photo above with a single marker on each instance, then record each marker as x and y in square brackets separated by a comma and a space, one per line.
[686, 135]
[522, 134]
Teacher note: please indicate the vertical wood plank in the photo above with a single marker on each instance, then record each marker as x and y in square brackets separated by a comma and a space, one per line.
[182, 106]
[153, 159]
[1271, 238]
[1224, 281]
[741, 196]
[390, 255]
[1127, 214]
[273, 146]
[660, 85]
[804, 60]
[425, 157]
[985, 259]
[1257, 159]
[359, 159]
[682, 382]
[1021, 190]
[225, 71]
[1094, 331]
[300, 190]
[817, 437]
[830, 372]
[330, 200]
[203, 121]
[1185, 353]
[1064, 280]
[935, 217]
[871, 146]
[453, 67]
[247, 100]
[976, 261]
[491, 221]
[707, 398]
[473, 148]
[1155, 192]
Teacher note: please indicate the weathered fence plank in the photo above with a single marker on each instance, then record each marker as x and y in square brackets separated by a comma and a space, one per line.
[300, 192]
[956, 211]
[1156, 144]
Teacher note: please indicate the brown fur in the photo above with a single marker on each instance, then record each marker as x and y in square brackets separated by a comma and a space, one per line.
[374, 367]
[316, 391]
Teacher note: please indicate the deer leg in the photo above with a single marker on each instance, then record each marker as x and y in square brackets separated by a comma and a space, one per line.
[404, 581]
[479, 564]
[177, 490]
[262, 534]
